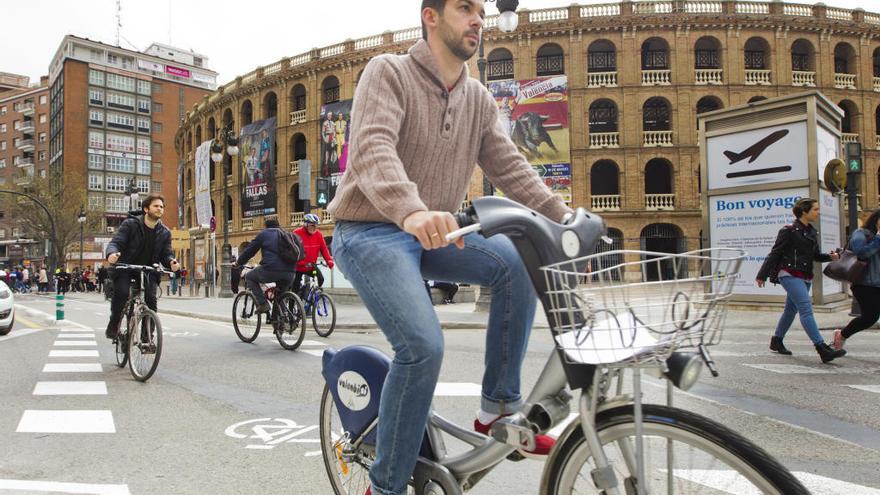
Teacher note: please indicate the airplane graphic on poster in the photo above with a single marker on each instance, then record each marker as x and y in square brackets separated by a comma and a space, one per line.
[753, 152]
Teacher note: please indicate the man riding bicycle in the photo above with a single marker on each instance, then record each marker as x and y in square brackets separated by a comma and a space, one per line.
[139, 240]
[419, 125]
[314, 243]
[272, 268]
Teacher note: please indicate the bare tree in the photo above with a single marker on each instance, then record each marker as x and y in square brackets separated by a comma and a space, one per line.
[64, 205]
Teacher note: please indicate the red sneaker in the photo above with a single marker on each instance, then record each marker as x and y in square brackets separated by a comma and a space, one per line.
[543, 443]
[369, 490]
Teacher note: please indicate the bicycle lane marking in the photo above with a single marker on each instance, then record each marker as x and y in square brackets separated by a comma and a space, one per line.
[268, 435]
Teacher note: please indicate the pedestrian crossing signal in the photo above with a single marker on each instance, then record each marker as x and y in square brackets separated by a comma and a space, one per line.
[323, 189]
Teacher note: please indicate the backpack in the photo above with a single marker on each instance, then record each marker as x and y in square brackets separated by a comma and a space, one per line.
[290, 247]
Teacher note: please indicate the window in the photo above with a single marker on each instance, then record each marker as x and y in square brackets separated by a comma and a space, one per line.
[157, 108]
[117, 142]
[143, 167]
[157, 168]
[144, 87]
[96, 162]
[157, 147]
[16, 107]
[96, 117]
[3, 127]
[95, 54]
[16, 124]
[95, 202]
[120, 164]
[42, 99]
[123, 83]
[96, 182]
[112, 59]
[157, 88]
[96, 139]
[96, 77]
[16, 142]
[96, 96]
[143, 184]
[2, 162]
[2, 145]
[117, 183]
[156, 187]
[3, 231]
[118, 203]
[120, 121]
[3, 110]
[42, 118]
[143, 106]
[42, 137]
[143, 124]
[42, 156]
[157, 127]
[143, 146]
[43, 173]
[117, 100]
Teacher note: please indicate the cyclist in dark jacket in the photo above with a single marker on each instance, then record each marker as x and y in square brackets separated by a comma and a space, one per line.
[272, 268]
[140, 240]
[790, 263]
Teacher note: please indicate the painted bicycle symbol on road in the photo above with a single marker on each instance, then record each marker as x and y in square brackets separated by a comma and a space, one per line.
[267, 433]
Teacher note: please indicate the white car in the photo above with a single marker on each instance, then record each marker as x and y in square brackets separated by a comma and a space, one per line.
[7, 308]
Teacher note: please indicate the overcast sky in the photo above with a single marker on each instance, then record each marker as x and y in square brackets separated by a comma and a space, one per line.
[236, 36]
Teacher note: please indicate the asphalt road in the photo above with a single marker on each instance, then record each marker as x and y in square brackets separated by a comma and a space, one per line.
[224, 417]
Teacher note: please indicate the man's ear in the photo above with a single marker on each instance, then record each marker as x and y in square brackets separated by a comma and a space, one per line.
[430, 17]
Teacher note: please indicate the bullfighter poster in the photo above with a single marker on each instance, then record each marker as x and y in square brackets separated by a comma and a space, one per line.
[535, 114]
[259, 191]
[334, 132]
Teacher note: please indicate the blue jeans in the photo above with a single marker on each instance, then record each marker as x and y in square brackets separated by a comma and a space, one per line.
[386, 266]
[798, 302]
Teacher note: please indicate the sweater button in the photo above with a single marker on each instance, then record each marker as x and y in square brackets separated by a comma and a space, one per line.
[448, 126]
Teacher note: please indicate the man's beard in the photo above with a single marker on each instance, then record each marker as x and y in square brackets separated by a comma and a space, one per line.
[153, 218]
[456, 44]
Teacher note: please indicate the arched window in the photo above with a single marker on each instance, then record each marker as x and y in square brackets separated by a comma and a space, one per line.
[603, 116]
[877, 62]
[707, 53]
[270, 105]
[298, 147]
[656, 115]
[844, 59]
[294, 204]
[658, 177]
[877, 121]
[247, 113]
[330, 89]
[298, 98]
[604, 178]
[228, 208]
[803, 56]
[500, 65]
[601, 57]
[212, 128]
[662, 238]
[228, 123]
[655, 54]
[707, 104]
[602, 266]
[850, 122]
[550, 60]
[757, 52]
[198, 135]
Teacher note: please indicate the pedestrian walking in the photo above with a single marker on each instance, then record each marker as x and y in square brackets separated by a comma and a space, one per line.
[865, 243]
[43, 281]
[790, 263]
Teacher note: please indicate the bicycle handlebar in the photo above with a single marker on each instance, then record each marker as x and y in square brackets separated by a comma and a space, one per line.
[146, 268]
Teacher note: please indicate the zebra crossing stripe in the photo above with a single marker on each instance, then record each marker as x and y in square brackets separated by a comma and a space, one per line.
[75, 421]
[61, 487]
[71, 388]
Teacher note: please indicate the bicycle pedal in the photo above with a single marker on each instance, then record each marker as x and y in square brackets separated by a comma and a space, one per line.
[515, 432]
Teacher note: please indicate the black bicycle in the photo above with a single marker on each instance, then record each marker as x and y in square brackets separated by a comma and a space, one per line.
[139, 337]
[318, 304]
[286, 315]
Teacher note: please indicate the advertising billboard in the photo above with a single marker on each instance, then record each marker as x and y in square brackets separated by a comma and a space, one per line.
[760, 156]
[256, 161]
[203, 183]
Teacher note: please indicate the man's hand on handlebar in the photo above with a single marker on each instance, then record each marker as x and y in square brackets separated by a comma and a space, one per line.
[113, 258]
[175, 266]
[431, 227]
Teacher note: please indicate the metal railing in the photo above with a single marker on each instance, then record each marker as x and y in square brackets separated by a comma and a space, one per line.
[294, 168]
[708, 76]
[604, 140]
[297, 117]
[247, 224]
[25, 143]
[844, 81]
[27, 126]
[655, 202]
[600, 79]
[877, 84]
[656, 77]
[297, 218]
[803, 78]
[605, 202]
[757, 76]
[27, 108]
[657, 138]
[25, 161]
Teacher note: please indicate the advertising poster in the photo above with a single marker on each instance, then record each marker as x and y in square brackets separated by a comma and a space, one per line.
[535, 114]
[827, 148]
[334, 122]
[760, 156]
[259, 191]
[180, 203]
[829, 226]
[201, 256]
[203, 183]
[751, 222]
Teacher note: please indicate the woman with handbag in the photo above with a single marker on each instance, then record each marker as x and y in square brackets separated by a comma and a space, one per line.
[790, 263]
[865, 243]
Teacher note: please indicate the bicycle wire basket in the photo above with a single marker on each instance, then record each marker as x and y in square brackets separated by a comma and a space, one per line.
[628, 308]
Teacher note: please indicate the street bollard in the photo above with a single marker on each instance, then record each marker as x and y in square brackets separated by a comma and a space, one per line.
[59, 307]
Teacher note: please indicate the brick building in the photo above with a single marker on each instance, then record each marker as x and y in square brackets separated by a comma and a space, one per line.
[638, 75]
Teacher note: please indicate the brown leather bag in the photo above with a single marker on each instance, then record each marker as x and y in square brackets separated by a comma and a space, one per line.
[849, 268]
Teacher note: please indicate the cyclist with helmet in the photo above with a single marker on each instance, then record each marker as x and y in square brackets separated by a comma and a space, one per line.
[272, 268]
[314, 244]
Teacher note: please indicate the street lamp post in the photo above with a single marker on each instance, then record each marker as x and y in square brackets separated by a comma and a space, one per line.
[81, 218]
[507, 23]
[228, 142]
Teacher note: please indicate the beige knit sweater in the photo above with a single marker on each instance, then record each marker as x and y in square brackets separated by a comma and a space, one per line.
[414, 145]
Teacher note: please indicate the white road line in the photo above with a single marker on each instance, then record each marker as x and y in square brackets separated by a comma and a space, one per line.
[71, 388]
[71, 331]
[20, 333]
[457, 389]
[72, 368]
[75, 343]
[61, 487]
[42, 421]
[789, 369]
[314, 343]
[313, 352]
[727, 481]
[820, 485]
[260, 447]
[76, 336]
[66, 354]
[867, 388]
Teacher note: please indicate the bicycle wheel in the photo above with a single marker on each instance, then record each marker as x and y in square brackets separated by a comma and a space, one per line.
[684, 453]
[348, 470]
[323, 315]
[122, 336]
[290, 323]
[144, 345]
[245, 319]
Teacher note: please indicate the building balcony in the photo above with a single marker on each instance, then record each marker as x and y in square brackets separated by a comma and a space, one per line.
[656, 77]
[844, 81]
[849, 137]
[27, 126]
[326, 217]
[657, 138]
[297, 218]
[298, 117]
[247, 224]
[605, 202]
[27, 109]
[708, 76]
[602, 79]
[25, 161]
[877, 84]
[803, 78]
[755, 77]
[657, 202]
[294, 168]
[26, 145]
[604, 140]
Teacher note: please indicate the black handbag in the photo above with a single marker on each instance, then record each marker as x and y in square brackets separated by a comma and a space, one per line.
[848, 268]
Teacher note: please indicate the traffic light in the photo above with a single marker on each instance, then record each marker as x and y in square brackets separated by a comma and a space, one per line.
[323, 191]
[853, 158]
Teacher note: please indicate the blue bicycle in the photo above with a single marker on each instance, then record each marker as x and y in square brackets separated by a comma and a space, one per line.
[317, 303]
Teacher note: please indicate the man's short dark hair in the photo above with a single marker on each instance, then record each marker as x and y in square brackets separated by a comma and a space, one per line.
[272, 223]
[437, 5]
[145, 204]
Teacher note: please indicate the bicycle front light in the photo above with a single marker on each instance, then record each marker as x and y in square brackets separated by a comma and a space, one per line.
[684, 369]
